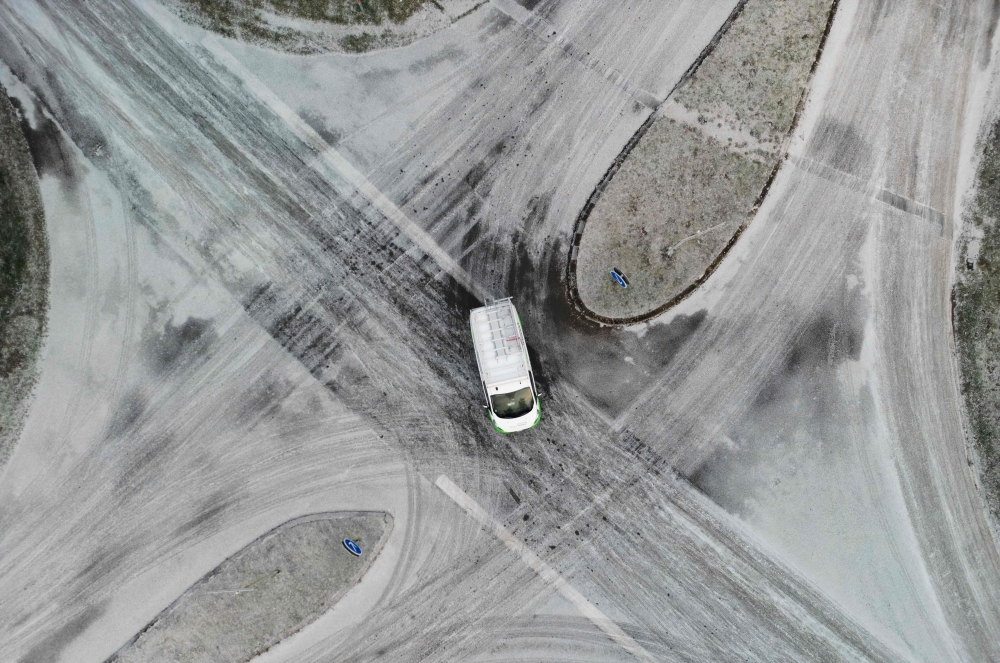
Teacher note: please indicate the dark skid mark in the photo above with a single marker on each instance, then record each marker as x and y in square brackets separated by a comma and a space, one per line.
[262, 399]
[446, 340]
[51, 648]
[911, 207]
[208, 513]
[496, 22]
[465, 193]
[798, 419]
[590, 356]
[881, 11]
[538, 209]
[425, 65]
[540, 100]
[190, 338]
[144, 463]
[476, 174]
[47, 147]
[379, 75]
[301, 332]
[840, 145]
[259, 181]
[127, 412]
[547, 9]
[471, 236]
[103, 564]
[985, 48]
[826, 341]
[318, 124]
[82, 129]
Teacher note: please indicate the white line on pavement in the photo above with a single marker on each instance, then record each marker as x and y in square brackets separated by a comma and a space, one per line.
[549, 575]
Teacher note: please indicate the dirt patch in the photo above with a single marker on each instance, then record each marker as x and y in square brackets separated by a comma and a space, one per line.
[976, 317]
[689, 184]
[322, 26]
[24, 276]
[264, 593]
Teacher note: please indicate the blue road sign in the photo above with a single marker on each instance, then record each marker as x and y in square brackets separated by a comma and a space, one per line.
[352, 547]
[619, 278]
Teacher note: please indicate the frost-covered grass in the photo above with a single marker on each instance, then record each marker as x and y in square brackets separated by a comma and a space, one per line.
[683, 193]
[309, 26]
[366, 41]
[264, 593]
[755, 75]
[671, 209]
[368, 12]
[24, 276]
[977, 320]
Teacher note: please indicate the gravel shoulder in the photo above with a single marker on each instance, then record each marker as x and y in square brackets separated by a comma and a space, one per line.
[671, 206]
[264, 593]
[24, 276]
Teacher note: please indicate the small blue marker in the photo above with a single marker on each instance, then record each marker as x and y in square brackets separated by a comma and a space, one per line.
[352, 547]
[619, 278]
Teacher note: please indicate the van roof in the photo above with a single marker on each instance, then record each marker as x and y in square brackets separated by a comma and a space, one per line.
[500, 348]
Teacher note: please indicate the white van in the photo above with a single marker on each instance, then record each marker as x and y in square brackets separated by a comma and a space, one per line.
[504, 367]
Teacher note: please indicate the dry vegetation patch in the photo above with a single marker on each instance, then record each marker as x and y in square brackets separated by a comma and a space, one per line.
[674, 205]
[977, 320]
[265, 592]
[754, 78]
[695, 177]
[319, 26]
[24, 276]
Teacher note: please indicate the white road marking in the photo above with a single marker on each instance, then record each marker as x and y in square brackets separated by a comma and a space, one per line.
[549, 575]
[336, 161]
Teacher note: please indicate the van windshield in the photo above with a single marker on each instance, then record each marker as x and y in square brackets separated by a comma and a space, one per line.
[514, 404]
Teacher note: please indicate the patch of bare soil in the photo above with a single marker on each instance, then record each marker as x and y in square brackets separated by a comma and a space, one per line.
[24, 276]
[694, 179]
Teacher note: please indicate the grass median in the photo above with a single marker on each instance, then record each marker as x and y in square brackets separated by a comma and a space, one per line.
[317, 26]
[673, 205]
[977, 319]
[24, 276]
[264, 593]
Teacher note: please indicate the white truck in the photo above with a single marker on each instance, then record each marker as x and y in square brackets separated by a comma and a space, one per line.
[504, 367]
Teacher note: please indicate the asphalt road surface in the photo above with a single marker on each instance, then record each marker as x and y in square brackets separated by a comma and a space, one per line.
[261, 272]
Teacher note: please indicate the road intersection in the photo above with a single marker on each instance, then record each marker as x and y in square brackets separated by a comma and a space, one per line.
[262, 267]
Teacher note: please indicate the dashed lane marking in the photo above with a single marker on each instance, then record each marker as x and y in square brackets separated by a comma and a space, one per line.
[549, 575]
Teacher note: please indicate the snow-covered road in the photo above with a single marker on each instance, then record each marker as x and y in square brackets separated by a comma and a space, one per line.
[241, 333]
